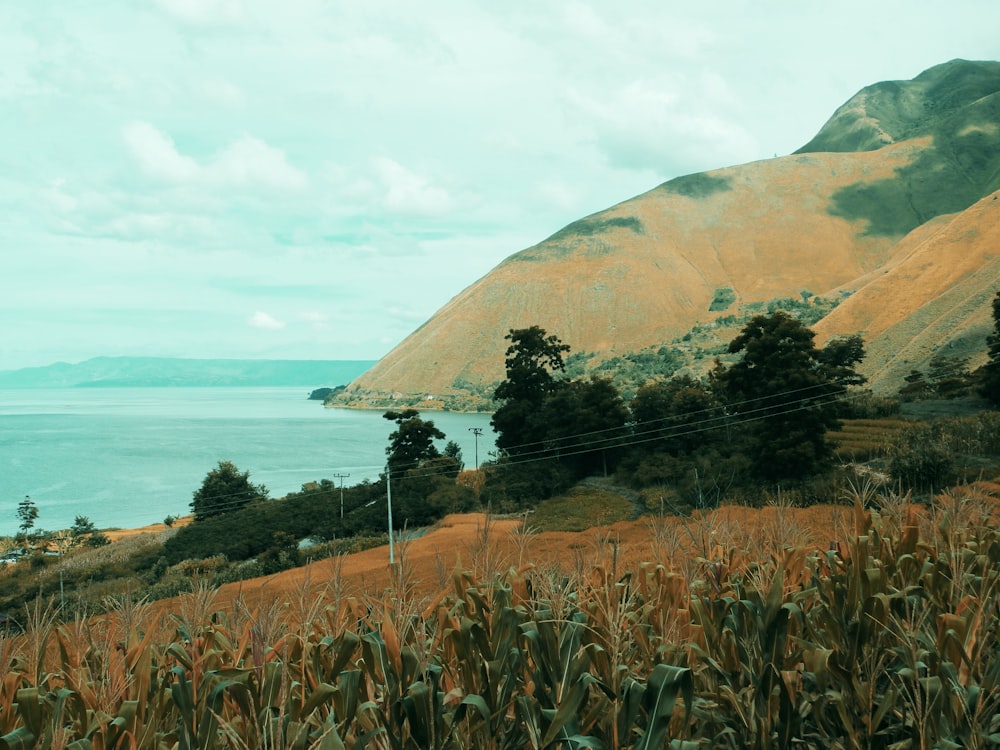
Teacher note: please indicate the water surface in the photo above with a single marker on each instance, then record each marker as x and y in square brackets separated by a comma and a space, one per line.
[131, 456]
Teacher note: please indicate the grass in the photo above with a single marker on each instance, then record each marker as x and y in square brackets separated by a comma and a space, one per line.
[580, 509]
[867, 439]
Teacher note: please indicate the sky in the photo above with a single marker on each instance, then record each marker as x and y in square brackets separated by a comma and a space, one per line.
[313, 179]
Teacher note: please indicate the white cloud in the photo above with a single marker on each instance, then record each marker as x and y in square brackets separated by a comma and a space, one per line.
[222, 92]
[559, 194]
[157, 155]
[266, 322]
[318, 320]
[204, 12]
[675, 121]
[248, 162]
[408, 193]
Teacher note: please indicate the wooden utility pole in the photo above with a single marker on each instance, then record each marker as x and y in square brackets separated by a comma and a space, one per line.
[341, 477]
[477, 431]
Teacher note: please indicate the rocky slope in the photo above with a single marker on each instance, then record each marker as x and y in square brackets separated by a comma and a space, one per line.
[892, 206]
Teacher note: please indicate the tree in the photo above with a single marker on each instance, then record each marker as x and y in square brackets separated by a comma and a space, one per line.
[82, 526]
[531, 359]
[839, 357]
[584, 424]
[677, 415]
[453, 451]
[225, 489]
[990, 384]
[783, 395]
[412, 442]
[27, 514]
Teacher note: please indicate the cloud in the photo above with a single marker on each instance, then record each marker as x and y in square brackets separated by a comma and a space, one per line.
[677, 122]
[205, 12]
[157, 155]
[222, 92]
[408, 192]
[559, 194]
[318, 320]
[266, 322]
[248, 162]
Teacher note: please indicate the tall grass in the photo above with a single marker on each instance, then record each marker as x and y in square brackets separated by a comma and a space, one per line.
[883, 636]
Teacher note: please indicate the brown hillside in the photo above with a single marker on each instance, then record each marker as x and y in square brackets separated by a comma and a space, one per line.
[617, 290]
[935, 297]
[859, 209]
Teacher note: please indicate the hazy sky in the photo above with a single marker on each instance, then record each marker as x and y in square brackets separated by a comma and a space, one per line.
[314, 179]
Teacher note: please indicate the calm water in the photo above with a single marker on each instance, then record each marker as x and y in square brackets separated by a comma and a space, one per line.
[131, 456]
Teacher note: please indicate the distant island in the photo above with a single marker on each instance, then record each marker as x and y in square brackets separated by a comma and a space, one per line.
[158, 372]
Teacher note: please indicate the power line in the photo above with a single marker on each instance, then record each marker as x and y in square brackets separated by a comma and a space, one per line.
[711, 418]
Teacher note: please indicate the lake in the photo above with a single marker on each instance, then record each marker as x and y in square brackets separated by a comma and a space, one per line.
[128, 457]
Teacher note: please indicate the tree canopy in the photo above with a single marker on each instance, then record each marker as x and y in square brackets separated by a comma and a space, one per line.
[224, 489]
[531, 359]
[412, 442]
[27, 514]
[990, 384]
[783, 392]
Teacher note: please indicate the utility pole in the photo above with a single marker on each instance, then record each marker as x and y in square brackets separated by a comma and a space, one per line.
[341, 478]
[477, 431]
[388, 495]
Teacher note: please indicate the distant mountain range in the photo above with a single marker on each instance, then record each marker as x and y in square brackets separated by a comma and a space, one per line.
[118, 372]
[887, 224]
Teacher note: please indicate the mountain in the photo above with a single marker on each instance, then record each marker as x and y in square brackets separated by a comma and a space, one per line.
[885, 223]
[165, 371]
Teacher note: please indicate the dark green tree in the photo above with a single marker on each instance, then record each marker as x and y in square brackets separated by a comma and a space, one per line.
[454, 450]
[839, 358]
[27, 514]
[990, 382]
[678, 416]
[82, 526]
[412, 442]
[783, 395]
[531, 359]
[225, 489]
[584, 424]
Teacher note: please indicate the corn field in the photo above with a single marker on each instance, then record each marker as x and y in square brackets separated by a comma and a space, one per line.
[886, 639]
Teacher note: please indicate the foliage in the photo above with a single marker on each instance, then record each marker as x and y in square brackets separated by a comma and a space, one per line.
[581, 508]
[990, 376]
[724, 297]
[594, 225]
[429, 492]
[225, 489]
[529, 361]
[930, 455]
[511, 486]
[884, 639]
[946, 377]
[677, 416]
[583, 423]
[412, 441]
[27, 514]
[867, 439]
[782, 392]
